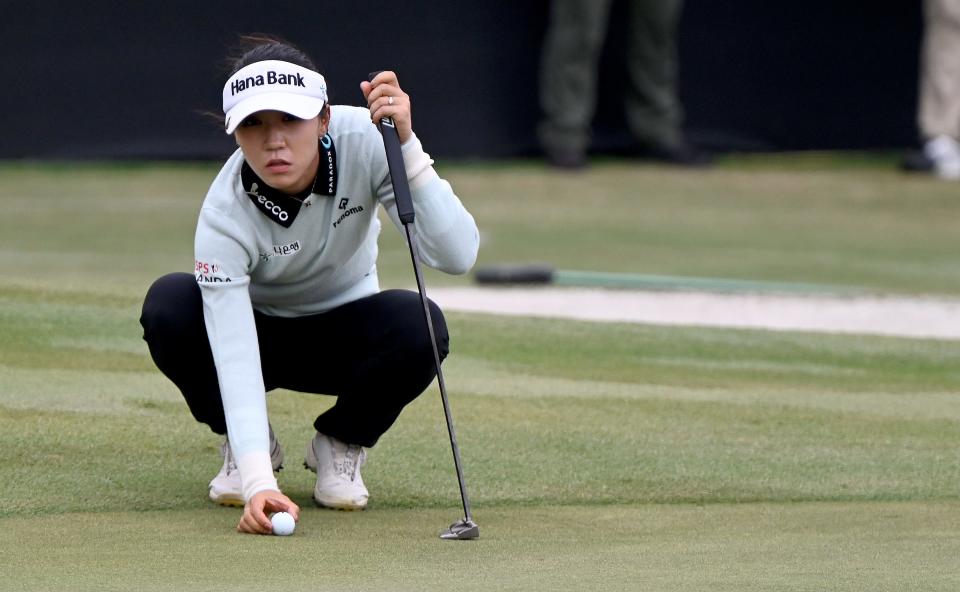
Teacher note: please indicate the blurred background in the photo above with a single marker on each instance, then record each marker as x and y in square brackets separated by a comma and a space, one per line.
[114, 80]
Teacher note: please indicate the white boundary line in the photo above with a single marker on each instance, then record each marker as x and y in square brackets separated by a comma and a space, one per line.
[937, 318]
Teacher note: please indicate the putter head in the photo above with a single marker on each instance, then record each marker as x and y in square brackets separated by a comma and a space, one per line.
[461, 530]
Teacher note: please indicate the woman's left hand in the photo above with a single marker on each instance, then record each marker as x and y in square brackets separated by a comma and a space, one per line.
[255, 519]
[386, 99]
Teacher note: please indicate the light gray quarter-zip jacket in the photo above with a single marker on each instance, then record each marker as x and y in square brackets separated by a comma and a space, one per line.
[257, 248]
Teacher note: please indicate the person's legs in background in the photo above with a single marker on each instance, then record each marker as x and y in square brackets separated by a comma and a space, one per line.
[568, 78]
[652, 102]
[939, 109]
[652, 105]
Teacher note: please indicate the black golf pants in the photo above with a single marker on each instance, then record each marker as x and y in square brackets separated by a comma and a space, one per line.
[373, 355]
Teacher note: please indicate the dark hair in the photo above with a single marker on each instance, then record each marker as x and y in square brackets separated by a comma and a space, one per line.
[258, 47]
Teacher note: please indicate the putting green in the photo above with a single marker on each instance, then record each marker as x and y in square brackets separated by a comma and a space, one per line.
[808, 546]
[598, 457]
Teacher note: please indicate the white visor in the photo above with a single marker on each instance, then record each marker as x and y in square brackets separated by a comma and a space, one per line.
[273, 85]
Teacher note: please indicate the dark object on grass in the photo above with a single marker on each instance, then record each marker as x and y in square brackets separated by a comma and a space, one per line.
[540, 274]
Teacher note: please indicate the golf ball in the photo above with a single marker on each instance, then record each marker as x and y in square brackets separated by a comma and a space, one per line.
[283, 524]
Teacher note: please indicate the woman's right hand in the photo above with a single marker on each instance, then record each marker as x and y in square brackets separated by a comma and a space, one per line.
[385, 98]
[255, 519]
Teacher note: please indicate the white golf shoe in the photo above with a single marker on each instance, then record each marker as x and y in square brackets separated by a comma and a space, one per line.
[944, 153]
[337, 465]
[226, 488]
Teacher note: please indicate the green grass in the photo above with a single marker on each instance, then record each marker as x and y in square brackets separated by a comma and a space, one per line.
[851, 226]
[844, 221]
[598, 456]
[552, 412]
[868, 546]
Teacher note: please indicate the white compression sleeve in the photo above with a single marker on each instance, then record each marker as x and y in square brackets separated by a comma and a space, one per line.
[418, 163]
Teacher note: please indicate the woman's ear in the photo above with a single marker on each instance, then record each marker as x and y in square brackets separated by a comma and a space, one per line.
[324, 120]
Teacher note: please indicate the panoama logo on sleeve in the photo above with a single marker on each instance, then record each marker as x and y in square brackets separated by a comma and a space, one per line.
[209, 273]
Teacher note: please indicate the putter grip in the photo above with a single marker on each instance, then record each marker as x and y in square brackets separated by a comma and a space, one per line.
[398, 171]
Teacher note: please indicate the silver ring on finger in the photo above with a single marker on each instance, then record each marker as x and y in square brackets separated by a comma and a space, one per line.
[389, 100]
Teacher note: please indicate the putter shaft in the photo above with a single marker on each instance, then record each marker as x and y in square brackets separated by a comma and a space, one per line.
[415, 256]
[464, 529]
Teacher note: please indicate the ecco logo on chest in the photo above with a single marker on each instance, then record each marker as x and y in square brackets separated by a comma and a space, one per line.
[267, 204]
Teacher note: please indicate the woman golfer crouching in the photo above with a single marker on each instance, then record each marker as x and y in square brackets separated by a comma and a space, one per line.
[285, 291]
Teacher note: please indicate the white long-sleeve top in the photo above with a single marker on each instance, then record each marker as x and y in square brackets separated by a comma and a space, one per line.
[257, 248]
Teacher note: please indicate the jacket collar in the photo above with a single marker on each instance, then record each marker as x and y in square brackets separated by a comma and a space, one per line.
[281, 207]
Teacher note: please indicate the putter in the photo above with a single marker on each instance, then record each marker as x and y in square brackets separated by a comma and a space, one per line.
[465, 528]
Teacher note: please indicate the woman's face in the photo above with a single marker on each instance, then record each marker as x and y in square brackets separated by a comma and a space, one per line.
[281, 148]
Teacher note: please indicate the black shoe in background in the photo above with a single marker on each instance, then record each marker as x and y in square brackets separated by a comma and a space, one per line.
[566, 159]
[682, 154]
[915, 161]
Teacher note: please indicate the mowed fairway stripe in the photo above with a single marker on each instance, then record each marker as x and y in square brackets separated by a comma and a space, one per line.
[478, 378]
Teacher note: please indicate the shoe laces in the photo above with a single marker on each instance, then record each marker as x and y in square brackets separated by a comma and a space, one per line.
[231, 463]
[347, 462]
